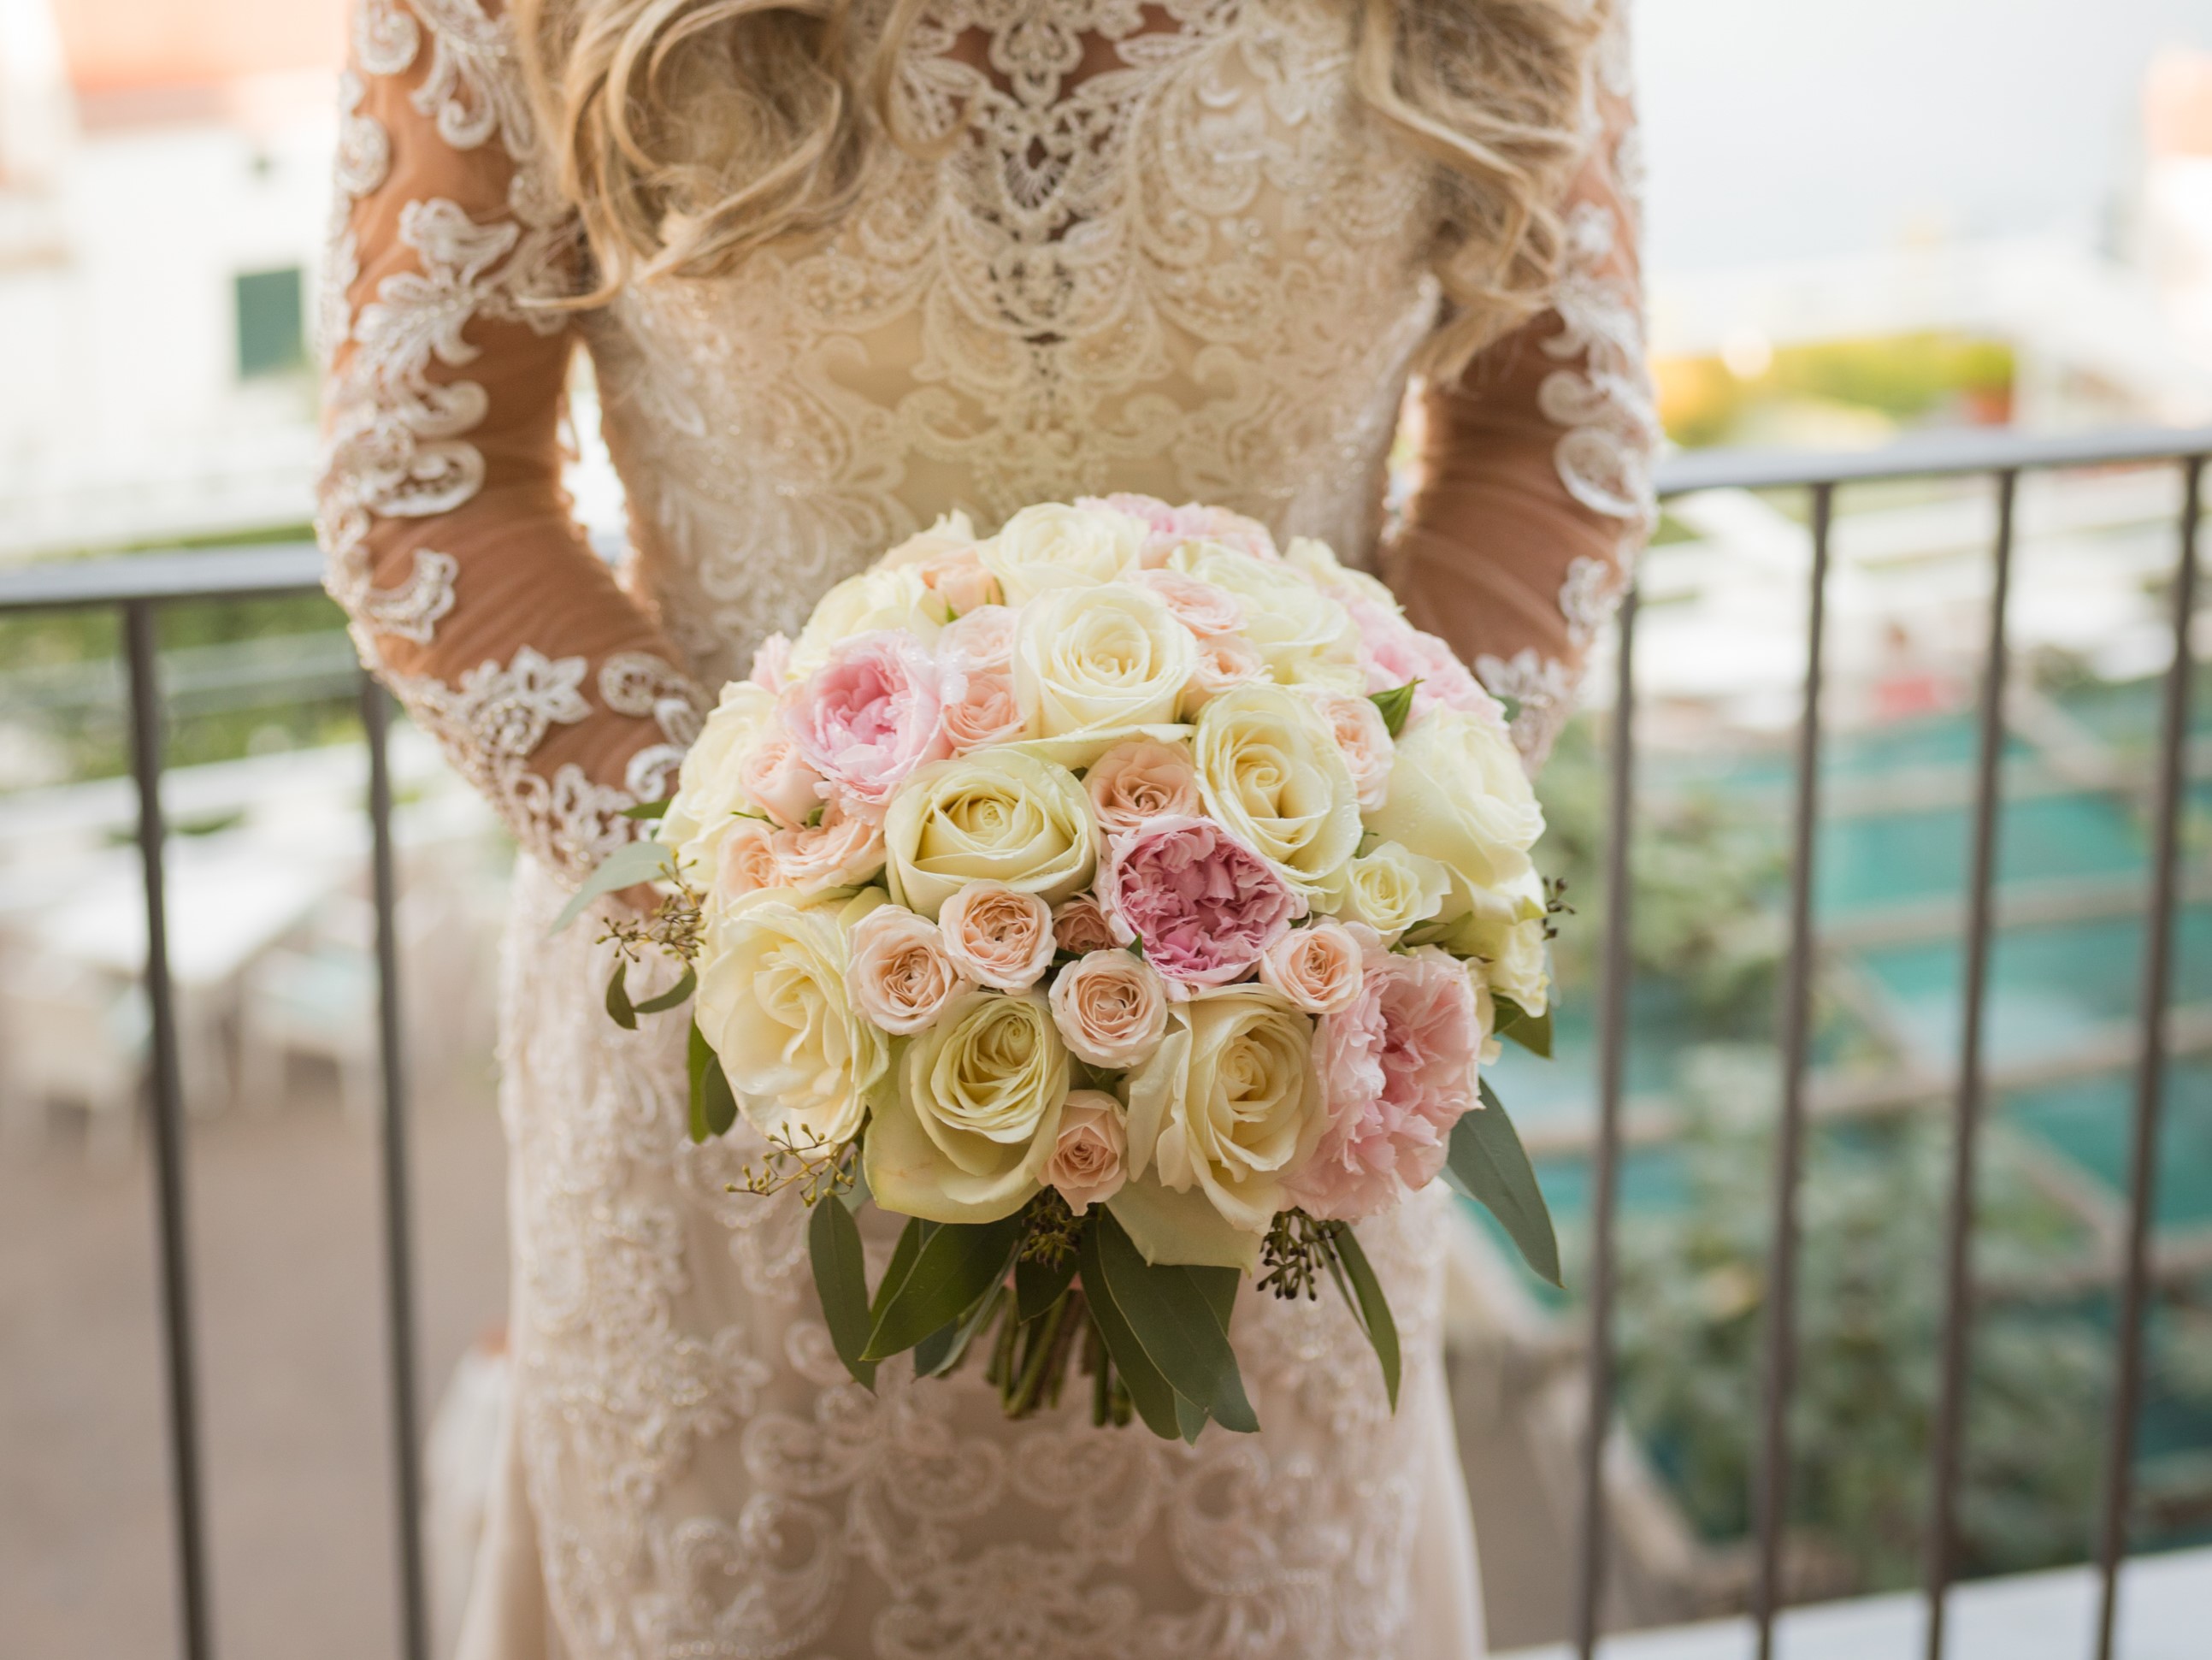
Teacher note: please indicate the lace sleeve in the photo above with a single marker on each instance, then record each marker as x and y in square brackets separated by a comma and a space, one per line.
[471, 592]
[1532, 492]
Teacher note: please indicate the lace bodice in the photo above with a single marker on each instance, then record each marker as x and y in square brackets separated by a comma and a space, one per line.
[1140, 247]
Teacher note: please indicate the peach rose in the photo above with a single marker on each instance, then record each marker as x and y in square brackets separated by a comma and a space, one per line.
[1142, 780]
[748, 859]
[780, 782]
[981, 709]
[979, 639]
[1086, 1162]
[1317, 967]
[957, 576]
[1111, 1008]
[1225, 661]
[1364, 738]
[1202, 607]
[1080, 926]
[997, 935]
[898, 974]
[843, 849]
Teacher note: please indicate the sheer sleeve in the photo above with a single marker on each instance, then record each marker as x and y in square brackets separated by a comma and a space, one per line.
[450, 544]
[1532, 484]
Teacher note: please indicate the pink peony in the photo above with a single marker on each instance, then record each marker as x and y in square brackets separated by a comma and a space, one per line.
[1201, 607]
[1398, 1068]
[981, 709]
[1205, 905]
[778, 780]
[1142, 780]
[1168, 528]
[1393, 651]
[869, 716]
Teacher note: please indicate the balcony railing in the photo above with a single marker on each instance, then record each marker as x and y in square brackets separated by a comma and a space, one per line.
[137, 588]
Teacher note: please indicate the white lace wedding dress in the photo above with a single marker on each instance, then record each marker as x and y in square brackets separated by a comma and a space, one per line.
[1200, 273]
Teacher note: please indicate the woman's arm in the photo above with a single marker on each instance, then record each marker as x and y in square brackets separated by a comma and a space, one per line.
[1532, 493]
[472, 593]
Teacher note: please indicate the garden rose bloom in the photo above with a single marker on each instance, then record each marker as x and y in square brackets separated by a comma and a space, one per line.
[1094, 665]
[1390, 889]
[1397, 1069]
[1225, 661]
[1458, 795]
[1111, 1009]
[1317, 967]
[869, 716]
[1142, 780]
[1204, 904]
[998, 936]
[1086, 1165]
[1080, 926]
[1392, 652]
[1052, 546]
[780, 782]
[886, 598]
[1301, 632]
[1201, 607]
[842, 849]
[981, 709]
[709, 792]
[982, 639]
[993, 816]
[1318, 560]
[1272, 775]
[772, 663]
[746, 859]
[1168, 528]
[898, 975]
[944, 556]
[1363, 738]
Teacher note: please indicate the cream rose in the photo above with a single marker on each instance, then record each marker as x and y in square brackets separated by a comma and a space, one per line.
[1272, 777]
[966, 1135]
[1094, 665]
[1390, 889]
[1111, 1008]
[880, 597]
[1052, 546]
[997, 936]
[1141, 779]
[1516, 961]
[1317, 969]
[995, 816]
[772, 1003]
[1086, 1163]
[897, 972]
[1363, 738]
[1230, 1105]
[1458, 795]
[1318, 560]
[710, 791]
[744, 860]
[1303, 635]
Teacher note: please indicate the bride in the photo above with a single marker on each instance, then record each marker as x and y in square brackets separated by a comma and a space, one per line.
[840, 266]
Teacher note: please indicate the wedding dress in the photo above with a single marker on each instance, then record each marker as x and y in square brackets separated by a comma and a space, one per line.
[1201, 271]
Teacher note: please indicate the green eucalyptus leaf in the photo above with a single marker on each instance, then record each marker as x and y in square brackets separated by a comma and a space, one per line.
[675, 993]
[1488, 1163]
[840, 1279]
[714, 1108]
[1533, 1033]
[625, 867]
[1179, 1315]
[1037, 1285]
[955, 1265]
[647, 810]
[1149, 1392]
[618, 1005]
[942, 1350]
[1372, 1307]
[1396, 705]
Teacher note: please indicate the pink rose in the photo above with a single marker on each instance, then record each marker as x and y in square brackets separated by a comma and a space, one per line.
[778, 780]
[869, 716]
[747, 859]
[1364, 739]
[1205, 905]
[997, 935]
[1142, 780]
[1398, 1069]
[771, 664]
[1393, 652]
[843, 849]
[1198, 606]
[981, 709]
[982, 639]
[1224, 661]
[897, 972]
[1086, 1164]
[1080, 926]
[1111, 1009]
[1168, 528]
[1319, 969]
[957, 576]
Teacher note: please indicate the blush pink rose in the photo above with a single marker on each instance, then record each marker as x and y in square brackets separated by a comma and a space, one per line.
[1111, 1009]
[1224, 662]
[1198, 606]
[1168, 528]
[1142, 780]
[1087, 1164]
[979, 640]
[897, 972]
[778, 780]
[997, 935]
[1363, 738]
[957, 576]
[771, 664]
[842, 849]
[1393, 651]
[1398, 1070]
[869, 716]
[981, 709]
[747, 861]
[1205, 905]
[1080, 926]
[1320, 969]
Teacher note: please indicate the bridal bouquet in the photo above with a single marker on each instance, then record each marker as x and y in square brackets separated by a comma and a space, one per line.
[1128, 903]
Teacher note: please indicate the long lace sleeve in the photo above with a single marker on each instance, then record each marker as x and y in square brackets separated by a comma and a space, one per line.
[450, 544]
[1532, 493]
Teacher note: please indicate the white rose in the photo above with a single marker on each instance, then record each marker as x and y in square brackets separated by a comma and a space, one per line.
[1272, 775]
[1390, 888]
[772, 1003]
[966, 1134]
[953, 533]
[1318, 560]
[882, 597]
[1229, 1106]
[1458, 795]
[1052, 546]
[1303, 635]
[710, 791]
[994, 816]
[1094, 665]
[1516, 961]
